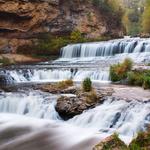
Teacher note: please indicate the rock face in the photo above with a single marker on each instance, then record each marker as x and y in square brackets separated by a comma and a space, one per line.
[23, 20]
[68, 107]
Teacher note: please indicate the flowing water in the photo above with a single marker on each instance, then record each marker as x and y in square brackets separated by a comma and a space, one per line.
[79, 61]
[28, 119]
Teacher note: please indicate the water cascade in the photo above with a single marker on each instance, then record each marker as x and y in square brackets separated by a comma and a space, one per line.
[112, 116]
[55, 75]
[34, 104]
[30, 116]
[135, 48]
[79, 61]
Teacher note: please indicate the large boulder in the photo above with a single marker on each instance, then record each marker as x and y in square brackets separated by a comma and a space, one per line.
[68, 107]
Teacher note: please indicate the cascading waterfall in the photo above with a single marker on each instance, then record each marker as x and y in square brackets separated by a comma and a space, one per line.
[136, 48]
[55, 75]
[125, 118]
[80, 60]
[86, 60]
[34, 104]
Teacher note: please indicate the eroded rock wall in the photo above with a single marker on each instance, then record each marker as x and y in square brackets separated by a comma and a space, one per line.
[28, 19]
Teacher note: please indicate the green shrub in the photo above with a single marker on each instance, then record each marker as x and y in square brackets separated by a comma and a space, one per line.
[146, 83]
[139, 78]
[135, 78]
[76, 37]
[120, 71]
[87, 85]
[5, 61]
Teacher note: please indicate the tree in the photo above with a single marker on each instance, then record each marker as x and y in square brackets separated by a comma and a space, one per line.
[146, 17]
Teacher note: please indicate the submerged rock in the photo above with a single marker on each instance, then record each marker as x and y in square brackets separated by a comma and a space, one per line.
[6, 79]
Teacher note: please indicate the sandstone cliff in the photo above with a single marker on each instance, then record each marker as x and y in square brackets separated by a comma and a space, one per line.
[23, 20]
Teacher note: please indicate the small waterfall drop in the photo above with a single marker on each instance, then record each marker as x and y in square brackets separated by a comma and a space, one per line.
[55, 75]
[34, 104]
[124, 118]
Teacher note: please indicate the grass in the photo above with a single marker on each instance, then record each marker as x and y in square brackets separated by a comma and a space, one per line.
[91, 97]
[5, 61]
[64, 84]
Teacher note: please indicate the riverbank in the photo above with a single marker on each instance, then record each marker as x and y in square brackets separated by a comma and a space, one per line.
[10, 59]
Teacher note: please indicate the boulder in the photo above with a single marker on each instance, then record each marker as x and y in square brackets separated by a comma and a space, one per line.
[68, 107]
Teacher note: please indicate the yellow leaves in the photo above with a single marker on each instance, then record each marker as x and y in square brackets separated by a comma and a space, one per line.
[146, 18]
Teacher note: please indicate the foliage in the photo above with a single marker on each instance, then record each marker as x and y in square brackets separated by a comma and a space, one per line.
[146, 83]
[142, 142]
[91, 97]
[119, 71]
[76, 37]
[64, 84]
[5, 61]
[139, 78]
[87, 85]
[132, 18]
[135, 78]
[132, 21]
[112, 143]
[146, 17]
[45, 46]
[109, 6]
[50, 45]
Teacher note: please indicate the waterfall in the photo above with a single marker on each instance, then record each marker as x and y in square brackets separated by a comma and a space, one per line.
[134, 48]
[52, 75]
[34, 104]
[79, 61]
[125, 118]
